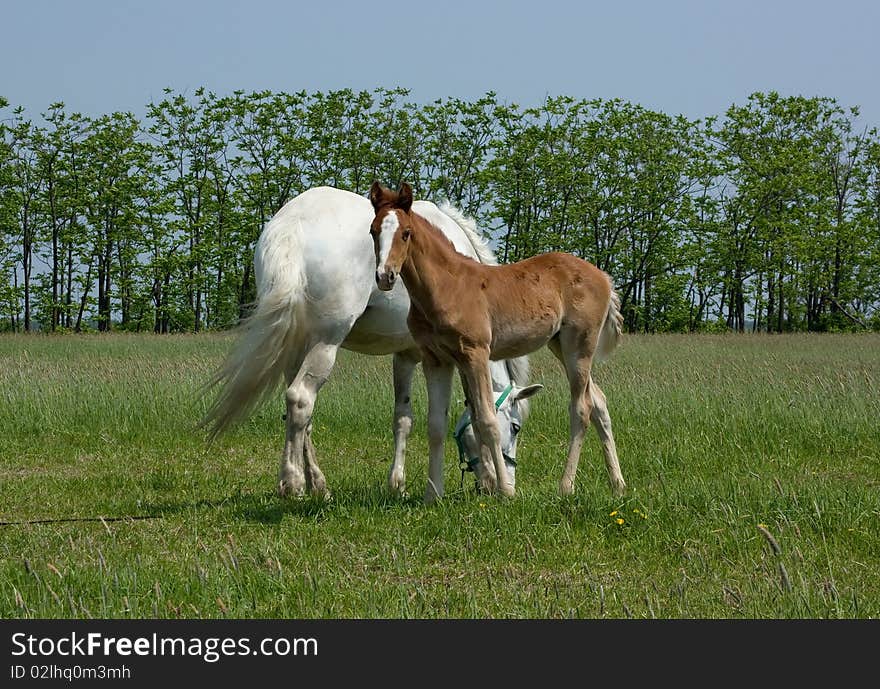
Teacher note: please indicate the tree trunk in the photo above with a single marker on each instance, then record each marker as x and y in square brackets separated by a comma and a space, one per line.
[780, 310]
[85, 296]
[53, 325]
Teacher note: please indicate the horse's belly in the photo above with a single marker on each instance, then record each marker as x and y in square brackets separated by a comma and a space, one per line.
[366, 341]
[381, 328]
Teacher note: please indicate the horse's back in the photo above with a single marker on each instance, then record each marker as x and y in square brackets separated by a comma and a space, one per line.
[447, 225]
[325, 232]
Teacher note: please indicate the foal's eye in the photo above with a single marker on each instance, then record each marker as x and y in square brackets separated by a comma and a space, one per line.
[406, 234]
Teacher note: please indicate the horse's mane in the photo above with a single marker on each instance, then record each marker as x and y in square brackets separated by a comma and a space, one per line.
[469, 226]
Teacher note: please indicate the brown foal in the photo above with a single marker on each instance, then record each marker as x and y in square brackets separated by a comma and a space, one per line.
[463, 313]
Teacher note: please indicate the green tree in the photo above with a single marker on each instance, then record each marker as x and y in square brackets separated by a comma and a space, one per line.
[189, 140]
[114, 178]
[457, 142]
[605, 180]
[267, 166]
[395, 146]
[23, 200]
[8, 225]
[59, 158]
[789, 164]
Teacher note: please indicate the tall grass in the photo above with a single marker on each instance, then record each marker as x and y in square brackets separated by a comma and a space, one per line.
[752, 463]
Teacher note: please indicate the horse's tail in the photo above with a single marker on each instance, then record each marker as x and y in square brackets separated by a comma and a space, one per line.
[268, 338]
[612, 328]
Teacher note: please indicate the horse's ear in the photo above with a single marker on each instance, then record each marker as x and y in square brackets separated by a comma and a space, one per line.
[405, 197]
[528, 391]
[377, 195]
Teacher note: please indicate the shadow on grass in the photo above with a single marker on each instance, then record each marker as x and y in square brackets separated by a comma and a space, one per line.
[268, 508]
[349, 501]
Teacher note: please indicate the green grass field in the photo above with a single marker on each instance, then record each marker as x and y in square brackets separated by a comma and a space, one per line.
[753, 466]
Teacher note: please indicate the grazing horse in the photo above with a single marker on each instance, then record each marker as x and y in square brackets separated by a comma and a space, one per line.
[465, 314]
[314, 266]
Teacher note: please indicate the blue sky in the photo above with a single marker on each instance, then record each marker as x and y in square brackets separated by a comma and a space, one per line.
[677, 56]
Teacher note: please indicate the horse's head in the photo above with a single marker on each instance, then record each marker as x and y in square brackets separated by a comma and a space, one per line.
[391, 230]
[510, 406]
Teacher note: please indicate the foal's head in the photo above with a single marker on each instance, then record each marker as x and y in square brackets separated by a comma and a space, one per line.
[391, 230]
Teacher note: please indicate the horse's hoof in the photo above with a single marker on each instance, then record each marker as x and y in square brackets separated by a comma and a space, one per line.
[618, 489]
[318, 488]
[566, 487]
[322, 494]
[287, 490]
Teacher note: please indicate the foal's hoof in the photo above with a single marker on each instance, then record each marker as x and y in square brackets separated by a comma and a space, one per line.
[507, 490]
[486, 484]
[431, 494]
[397, 486]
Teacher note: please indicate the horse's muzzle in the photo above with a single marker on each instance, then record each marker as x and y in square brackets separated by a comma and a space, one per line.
[385, 279]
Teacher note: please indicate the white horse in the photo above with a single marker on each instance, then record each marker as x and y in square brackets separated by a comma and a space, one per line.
[315, 269]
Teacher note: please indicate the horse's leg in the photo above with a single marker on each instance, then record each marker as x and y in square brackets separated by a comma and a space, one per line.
[404, 365]
[570, 347]
[316, 484]
[301, 394]
[479, 380]
[602, 422]
[438, 377]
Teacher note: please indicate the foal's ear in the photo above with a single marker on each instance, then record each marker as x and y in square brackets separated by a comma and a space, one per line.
[377, 194]
[405, 197]
[527, 391]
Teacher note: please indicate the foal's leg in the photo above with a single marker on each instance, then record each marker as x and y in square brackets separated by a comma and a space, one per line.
[404, 366]
[438, 376]
[301, 394]
[479, 381]
[576, 358]
[485, 471]
[602, 422]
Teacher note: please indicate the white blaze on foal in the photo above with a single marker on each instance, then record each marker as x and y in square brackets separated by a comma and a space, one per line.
[390, 225]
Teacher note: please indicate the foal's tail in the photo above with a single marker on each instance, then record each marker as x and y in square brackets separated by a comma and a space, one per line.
[612, 328]
[267, 340]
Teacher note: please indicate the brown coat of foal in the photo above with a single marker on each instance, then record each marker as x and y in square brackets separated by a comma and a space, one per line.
[463, 313]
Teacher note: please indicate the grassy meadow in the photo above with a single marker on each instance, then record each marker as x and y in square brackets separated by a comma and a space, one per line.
[753, 466]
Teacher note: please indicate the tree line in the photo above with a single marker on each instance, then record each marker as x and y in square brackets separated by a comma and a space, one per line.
[767, 217]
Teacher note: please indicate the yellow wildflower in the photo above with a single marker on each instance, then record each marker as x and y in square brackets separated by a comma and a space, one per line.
[619, 520]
